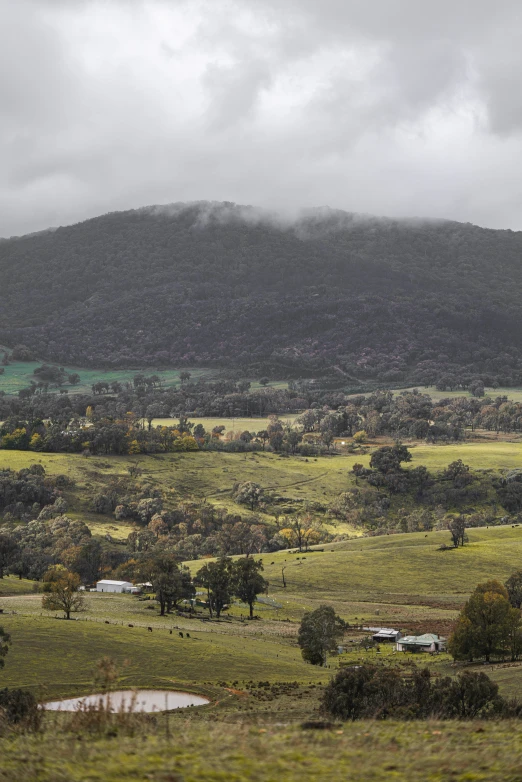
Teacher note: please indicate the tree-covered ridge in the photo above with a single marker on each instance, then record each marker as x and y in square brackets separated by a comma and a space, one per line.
[215, 284]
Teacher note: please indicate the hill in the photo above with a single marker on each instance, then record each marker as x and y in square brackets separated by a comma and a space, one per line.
[363, 298]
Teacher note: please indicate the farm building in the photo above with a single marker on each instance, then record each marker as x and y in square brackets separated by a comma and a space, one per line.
[386, 635]
[106, 585]
[429, 642]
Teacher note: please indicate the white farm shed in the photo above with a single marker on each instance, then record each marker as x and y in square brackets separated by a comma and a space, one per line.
[106, 585]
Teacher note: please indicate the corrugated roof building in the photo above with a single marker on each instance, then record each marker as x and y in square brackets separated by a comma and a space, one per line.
[387, 635]
[429, 642]
[107, 585]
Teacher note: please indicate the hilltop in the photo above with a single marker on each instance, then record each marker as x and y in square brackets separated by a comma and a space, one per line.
[210, 284]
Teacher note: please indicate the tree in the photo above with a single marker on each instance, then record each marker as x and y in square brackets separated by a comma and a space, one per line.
[218, 580]
[389, 458]
[488, 625]
[514, 588]
[319, 633]
[249, 583]
[249, 493]
[376, 692]
[184, 376]
[457, 529]
[4, 645]
[170, 582]
[63, 594]
[360, 437]
[8, 551]
[301, 532]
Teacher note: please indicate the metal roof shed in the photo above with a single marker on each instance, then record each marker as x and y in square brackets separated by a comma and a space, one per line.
[107, 585]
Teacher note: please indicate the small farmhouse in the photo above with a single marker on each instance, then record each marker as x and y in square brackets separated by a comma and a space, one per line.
[386, 635]
[106, 585]
[429, 642]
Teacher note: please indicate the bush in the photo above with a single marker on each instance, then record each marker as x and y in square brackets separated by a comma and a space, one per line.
[370, 692]
[20, 707]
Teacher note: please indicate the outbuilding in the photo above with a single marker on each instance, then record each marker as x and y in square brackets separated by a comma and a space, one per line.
[387, 635]
[106, 585]
[429, 642]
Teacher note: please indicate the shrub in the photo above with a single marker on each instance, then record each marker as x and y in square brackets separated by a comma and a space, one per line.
[370, 692]
[20, 707]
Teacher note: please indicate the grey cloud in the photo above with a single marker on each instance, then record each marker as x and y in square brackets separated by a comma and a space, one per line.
[388, 107]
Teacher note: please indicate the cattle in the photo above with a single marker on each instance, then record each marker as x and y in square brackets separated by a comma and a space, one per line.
[170, 632]
[180, 634]
[107, 622]
[149, 629]
[130, 625]
[187, 635]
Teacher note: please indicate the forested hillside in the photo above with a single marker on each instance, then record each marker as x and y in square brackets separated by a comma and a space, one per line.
[220, 285]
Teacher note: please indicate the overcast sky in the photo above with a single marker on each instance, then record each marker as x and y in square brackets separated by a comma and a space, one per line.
[395, 107]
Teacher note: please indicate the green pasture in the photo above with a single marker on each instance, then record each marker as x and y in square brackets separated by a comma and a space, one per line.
[239, 424]
[58, 656]
[405, 569]
[12, 585]
[515, 394]
[18, 374]
[485, 455]
[201, 474]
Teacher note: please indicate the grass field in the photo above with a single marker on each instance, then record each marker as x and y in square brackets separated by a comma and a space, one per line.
[18, 374]
[231, 424]
[515, 394]
[359, 752]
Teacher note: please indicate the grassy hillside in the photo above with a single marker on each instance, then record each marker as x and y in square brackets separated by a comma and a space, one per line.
[402, 581]
[213, 474]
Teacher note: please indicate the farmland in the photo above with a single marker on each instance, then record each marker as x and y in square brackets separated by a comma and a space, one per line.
[403, 580]
[19, 374]
[423, 589]
[235, 425]
[514, 394]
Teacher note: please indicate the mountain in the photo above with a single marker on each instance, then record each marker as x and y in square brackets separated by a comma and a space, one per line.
[217, 284]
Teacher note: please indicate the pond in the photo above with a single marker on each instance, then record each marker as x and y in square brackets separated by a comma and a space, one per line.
[135, 700]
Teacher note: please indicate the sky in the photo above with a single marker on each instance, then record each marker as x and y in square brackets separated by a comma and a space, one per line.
[391, 107]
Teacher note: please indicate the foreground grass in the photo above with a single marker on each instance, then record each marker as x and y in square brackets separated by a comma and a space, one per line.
[362, 752]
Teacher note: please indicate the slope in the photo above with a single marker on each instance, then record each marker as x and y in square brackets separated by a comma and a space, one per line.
[216, 284]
